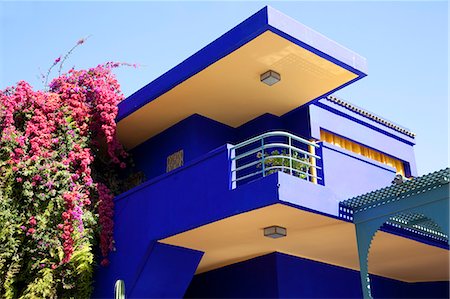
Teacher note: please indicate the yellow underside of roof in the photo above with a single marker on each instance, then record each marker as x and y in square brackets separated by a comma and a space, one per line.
[230, 90]
[314, 237]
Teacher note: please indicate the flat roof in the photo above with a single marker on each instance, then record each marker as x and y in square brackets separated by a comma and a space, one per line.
[222, 80]
[370, 115]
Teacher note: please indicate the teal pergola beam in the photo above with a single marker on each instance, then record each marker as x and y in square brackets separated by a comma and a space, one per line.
[428, 196]
[417, 221]
[407, 204]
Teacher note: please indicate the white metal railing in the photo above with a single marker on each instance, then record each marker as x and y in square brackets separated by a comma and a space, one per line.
[271, 152]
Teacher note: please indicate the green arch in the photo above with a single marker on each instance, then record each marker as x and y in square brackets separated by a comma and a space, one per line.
[365, 230]
[427, 195]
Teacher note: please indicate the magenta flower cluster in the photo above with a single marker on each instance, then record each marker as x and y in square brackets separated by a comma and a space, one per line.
[48, 144]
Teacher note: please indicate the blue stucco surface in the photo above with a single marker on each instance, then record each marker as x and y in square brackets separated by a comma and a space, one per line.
[261, 124]
[279, 275]
[298, 122]
[253, 278]
[389, 288]
[199, 192]
[191, 196]
[167, 272]
[196, 136]
[186, 198]
[304, 194]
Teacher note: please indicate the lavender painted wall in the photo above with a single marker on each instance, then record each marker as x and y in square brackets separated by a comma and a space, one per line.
[359, 131]
[349, 174]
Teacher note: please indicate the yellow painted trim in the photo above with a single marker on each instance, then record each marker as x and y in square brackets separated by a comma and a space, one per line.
[312, 161]
[362, 150]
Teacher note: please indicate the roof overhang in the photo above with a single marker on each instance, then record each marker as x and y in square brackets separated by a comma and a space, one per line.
[222, 80]
[315, 237]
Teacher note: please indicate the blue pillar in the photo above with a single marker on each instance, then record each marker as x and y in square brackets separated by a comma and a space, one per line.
[166, 272]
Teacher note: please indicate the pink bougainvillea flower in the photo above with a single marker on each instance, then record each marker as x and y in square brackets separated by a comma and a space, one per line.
[52, 139]
[105, 262]
[32, 221]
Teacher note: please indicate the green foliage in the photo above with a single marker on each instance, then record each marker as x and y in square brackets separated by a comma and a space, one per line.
[43, 286]
[280, 161]
[52, 211]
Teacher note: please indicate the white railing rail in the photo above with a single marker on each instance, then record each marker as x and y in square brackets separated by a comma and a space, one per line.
[263, 155]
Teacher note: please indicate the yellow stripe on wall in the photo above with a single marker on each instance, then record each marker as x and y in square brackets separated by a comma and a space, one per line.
[362, 150]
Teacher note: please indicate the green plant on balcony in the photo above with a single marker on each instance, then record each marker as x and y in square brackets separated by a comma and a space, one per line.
[280, 161]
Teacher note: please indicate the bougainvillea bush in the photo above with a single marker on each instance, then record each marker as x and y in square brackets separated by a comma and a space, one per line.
[56, 204]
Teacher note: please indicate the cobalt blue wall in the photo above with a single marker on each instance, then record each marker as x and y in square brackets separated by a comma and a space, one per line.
[279, 275]
[261, 124]
[295, 122]
[193, 195]
[298, 122]
[195, 135]
[199, 193]
[388, 288]
[255, 278]
[167, 272]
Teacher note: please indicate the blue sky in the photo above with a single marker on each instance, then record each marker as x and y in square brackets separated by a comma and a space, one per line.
[405, 43]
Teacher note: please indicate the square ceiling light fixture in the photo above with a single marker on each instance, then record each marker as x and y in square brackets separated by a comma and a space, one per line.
[275, 232]
[270, 77]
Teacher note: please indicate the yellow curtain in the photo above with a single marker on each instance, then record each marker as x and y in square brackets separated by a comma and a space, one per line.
[362, 150]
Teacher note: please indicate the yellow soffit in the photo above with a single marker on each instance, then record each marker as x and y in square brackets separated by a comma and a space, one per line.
[315, 237]
[230, 90]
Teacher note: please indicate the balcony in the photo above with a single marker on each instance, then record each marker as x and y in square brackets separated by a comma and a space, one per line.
[272, 152]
